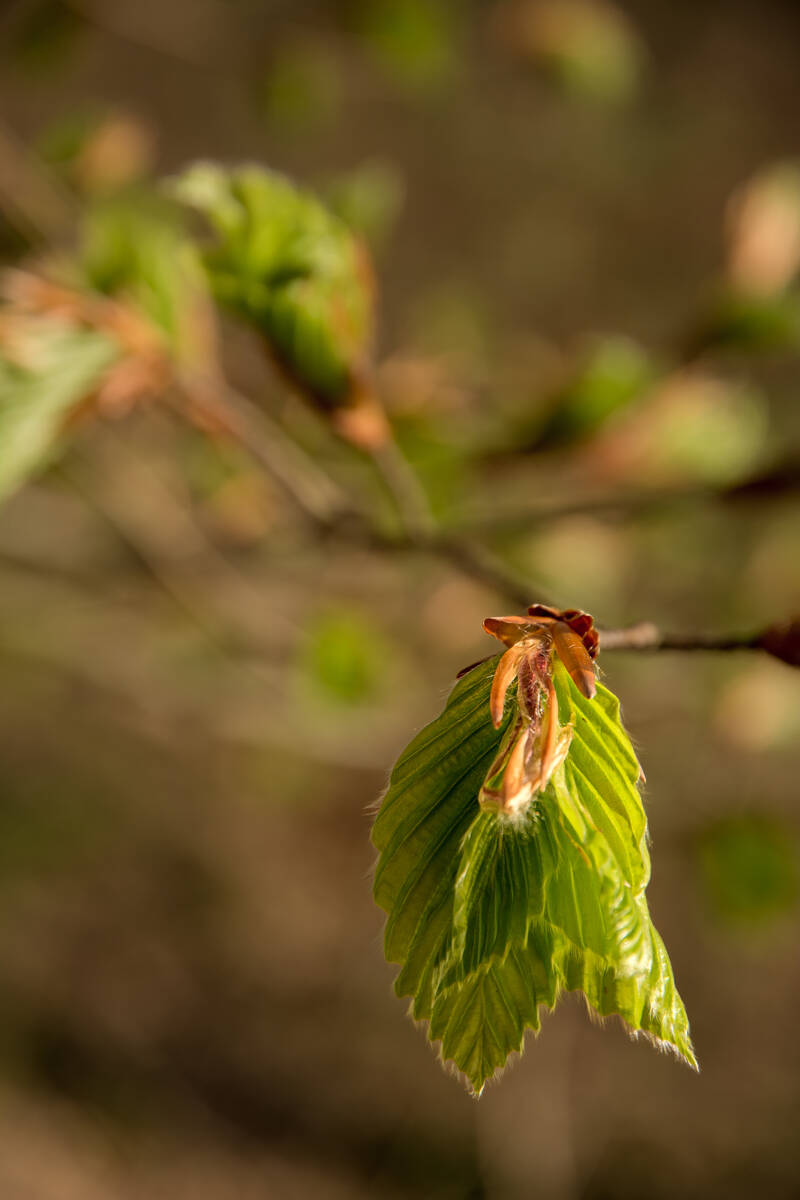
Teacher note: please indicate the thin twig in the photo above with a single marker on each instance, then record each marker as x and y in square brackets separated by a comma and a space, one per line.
[45, 211]
[333, 512]
[158, 528]
[780, 480]
[481, 565]
[131, 24]
[781, 640]
[647, 636]
[406, 490]
[34, 200]
[227, 411]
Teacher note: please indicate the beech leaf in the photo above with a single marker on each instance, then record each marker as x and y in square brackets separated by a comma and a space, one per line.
[491, 918]
[293, 269]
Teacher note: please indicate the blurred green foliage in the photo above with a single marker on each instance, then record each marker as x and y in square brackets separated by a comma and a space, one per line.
[346, 657]
[750, 869]
[369, 199]
[285, 264]
[745, 321]
[613, 374]
[716, 434]
[532, 220]
[438, 459]
[52, 369]
[45, 35]
[415, 41]
[303, 88]
[62, 140]
[132, 247]
[588, 47]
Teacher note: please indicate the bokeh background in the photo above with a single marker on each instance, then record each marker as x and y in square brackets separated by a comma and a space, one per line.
[200, 704]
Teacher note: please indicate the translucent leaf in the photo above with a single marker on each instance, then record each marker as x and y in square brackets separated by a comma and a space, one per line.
[292, 269]
[490, 918]
[52, 370]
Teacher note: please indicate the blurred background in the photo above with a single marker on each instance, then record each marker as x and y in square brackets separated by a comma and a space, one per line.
[585, 223]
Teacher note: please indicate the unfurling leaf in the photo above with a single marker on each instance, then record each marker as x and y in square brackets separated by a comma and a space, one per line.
[493, 910]
[297, 273]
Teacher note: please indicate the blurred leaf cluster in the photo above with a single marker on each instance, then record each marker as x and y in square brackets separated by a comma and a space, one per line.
[294, 271]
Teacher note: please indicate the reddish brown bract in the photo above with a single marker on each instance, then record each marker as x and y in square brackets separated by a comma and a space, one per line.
[571, 633]
[535, 745]
[580, 622]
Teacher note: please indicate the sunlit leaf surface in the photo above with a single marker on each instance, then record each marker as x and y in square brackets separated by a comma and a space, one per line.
[490, 919]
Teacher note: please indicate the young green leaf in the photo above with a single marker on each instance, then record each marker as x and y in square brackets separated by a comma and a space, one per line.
[491, 917]
[132, 248]
[291, 268]
[56, 366]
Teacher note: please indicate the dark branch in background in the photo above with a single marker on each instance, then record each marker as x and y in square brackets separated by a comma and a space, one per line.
[647, 636]
[469, 558]
[475, 562]
[225, 411]
[44, 211]
[406, 490]
[781, 640]
[778, 481]
[331, 512]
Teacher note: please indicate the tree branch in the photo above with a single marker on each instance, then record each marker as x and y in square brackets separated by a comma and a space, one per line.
[222, 410]
[330, 510]
[407, 492]
[647, 636]
[782, 479]
[333, 513]
[781, 640]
